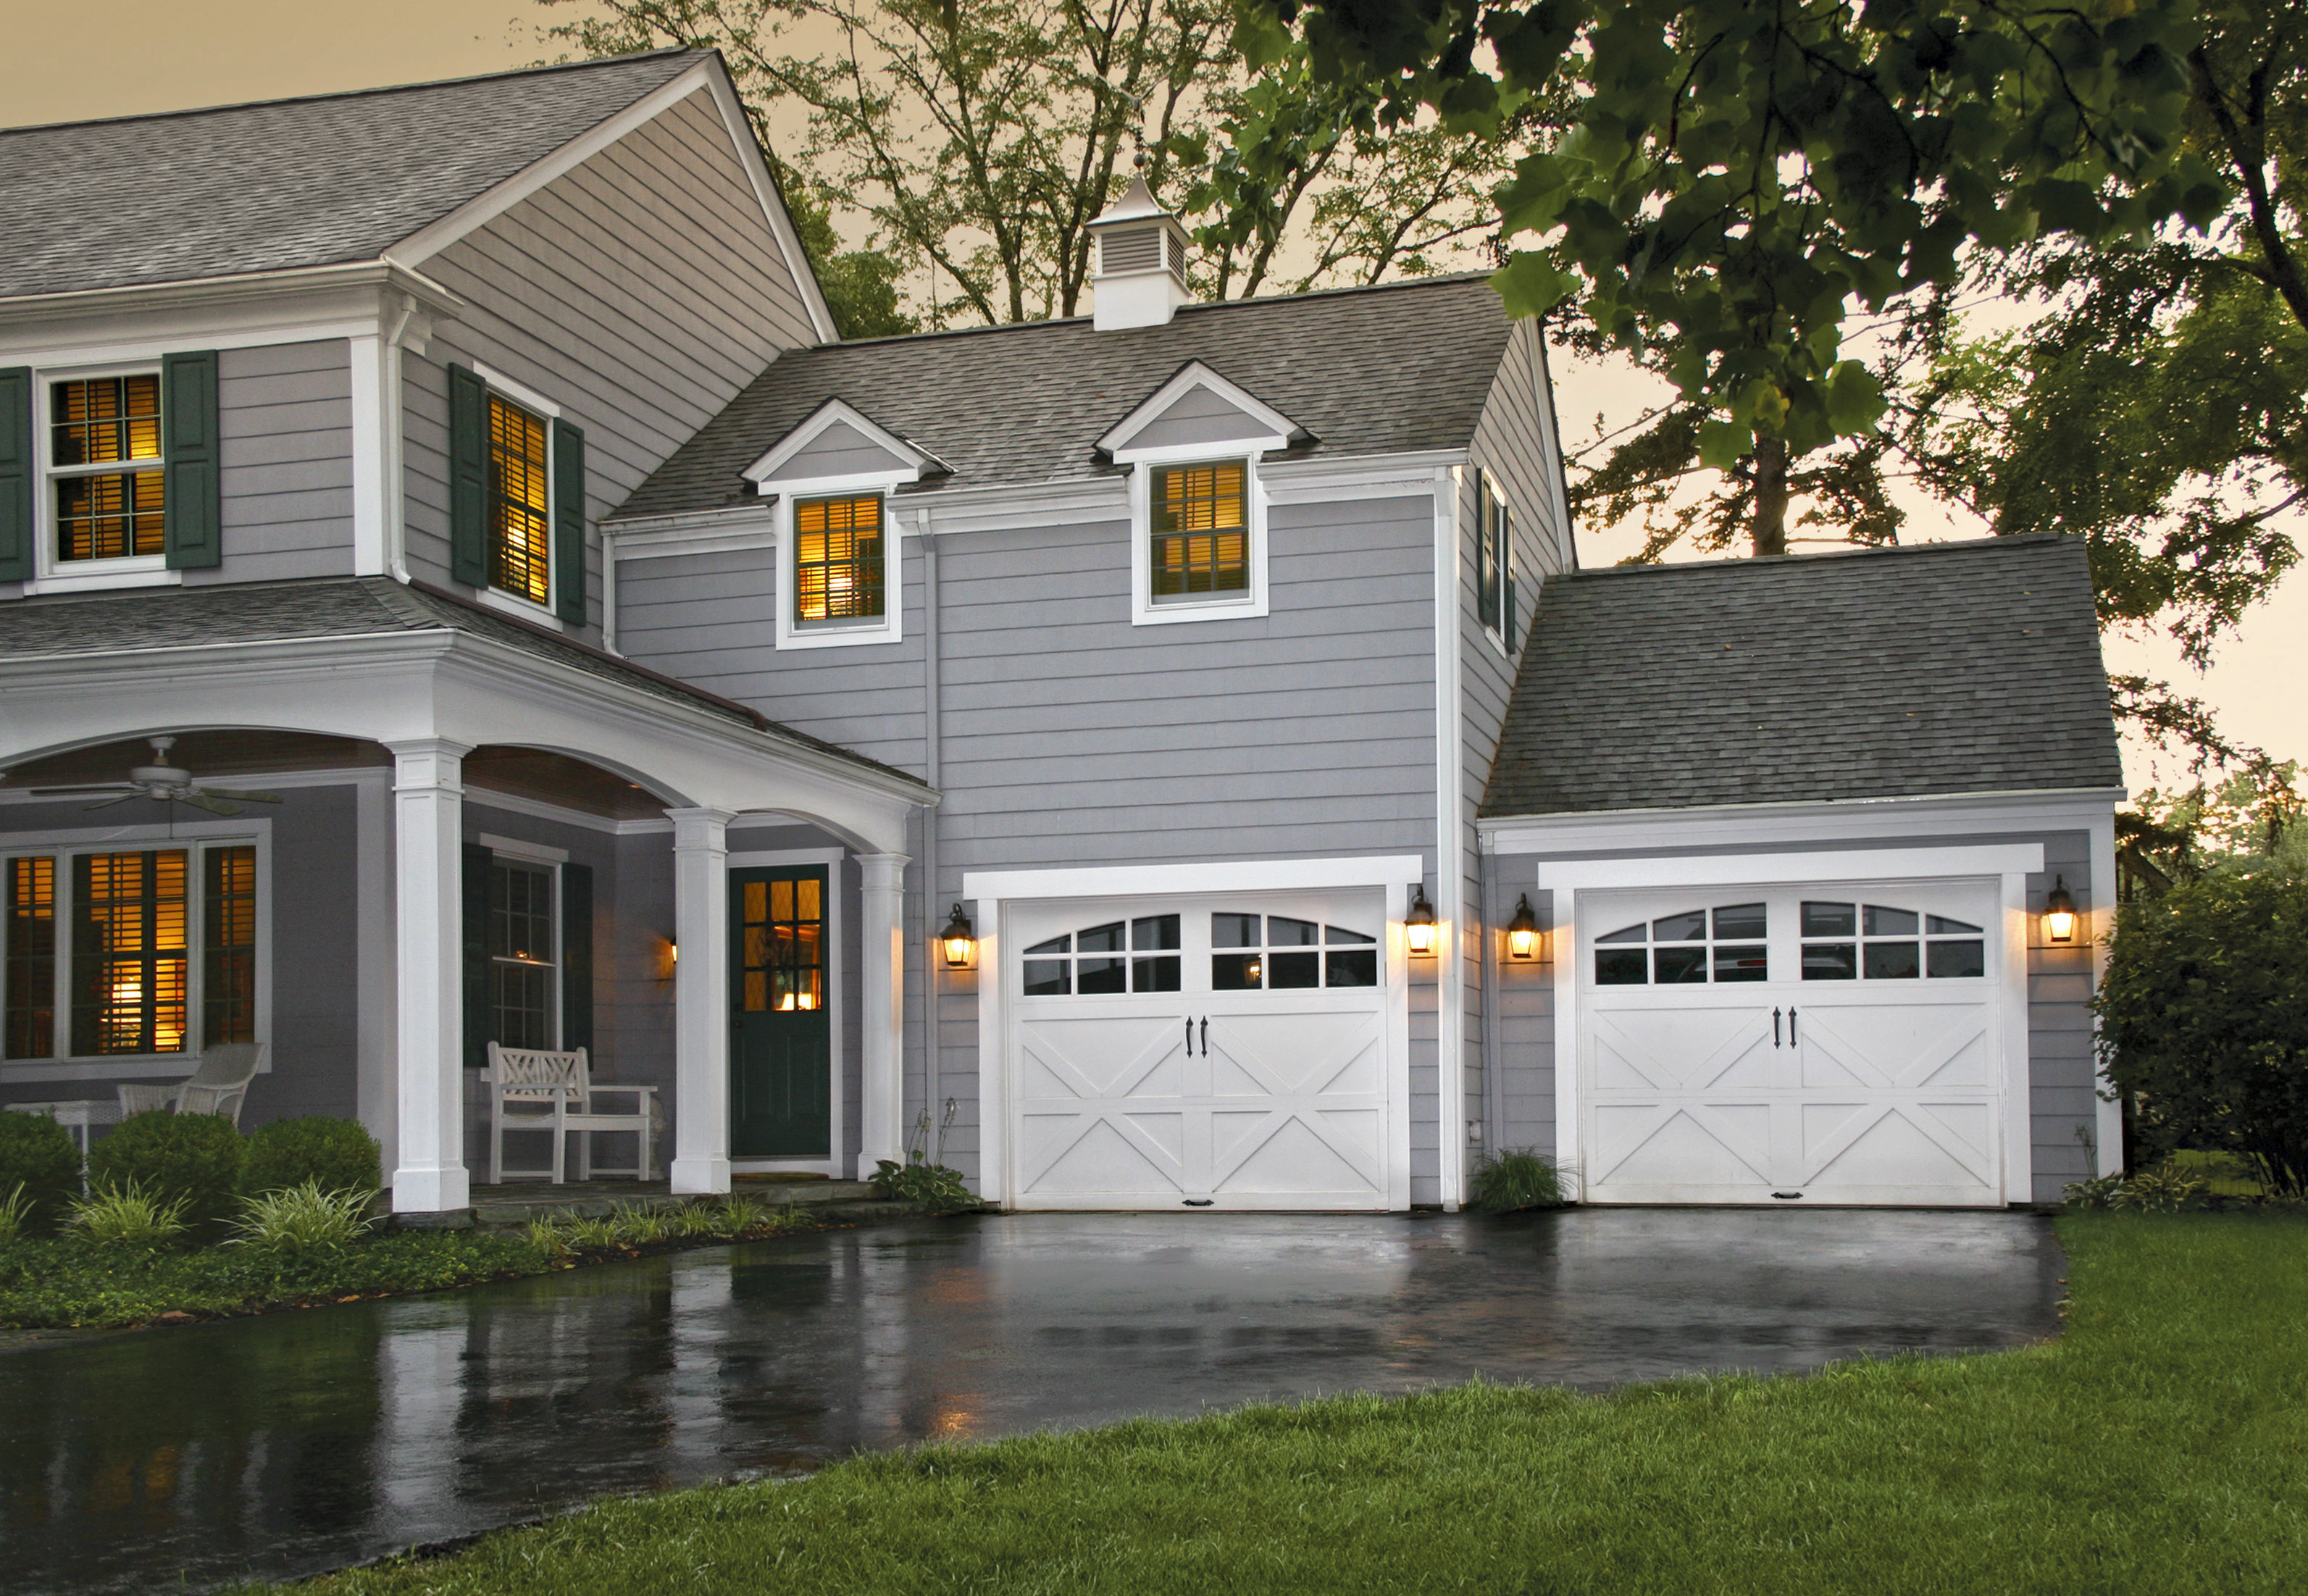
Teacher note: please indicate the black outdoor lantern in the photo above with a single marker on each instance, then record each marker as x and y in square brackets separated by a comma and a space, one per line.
[1418, 925]
[1522, 931]
[959, 939]
[2058, 913]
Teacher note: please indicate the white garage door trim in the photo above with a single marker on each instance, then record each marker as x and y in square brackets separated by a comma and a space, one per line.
[990, 890]
[2010, 863]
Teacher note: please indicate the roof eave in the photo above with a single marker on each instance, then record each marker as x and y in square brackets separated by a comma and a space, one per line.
[381, 273]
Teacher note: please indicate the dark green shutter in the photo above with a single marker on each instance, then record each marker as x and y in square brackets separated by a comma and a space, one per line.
[192, 492]
[16, 474]
[480, 878]
[1507, 604]
[468, 478]
[576, 956]
[569, 523]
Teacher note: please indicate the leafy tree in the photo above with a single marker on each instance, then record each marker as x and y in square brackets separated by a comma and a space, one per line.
[2248, 820]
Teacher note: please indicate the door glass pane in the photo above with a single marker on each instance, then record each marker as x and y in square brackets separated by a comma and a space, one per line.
[1281, 932]
[1100, 975]
[1234, 972]
[1831, 920]
[1048, 977]
[1234, 930]
[1672, 966]
[781, 948]
[1940, 926]
[1957, 959]
[1621, 967]
[1057, 944]
[1745, 962]
[1741, 920]
[1099, 939]
[1830, 962]
[1158, 931]
[1891, 922]
[1294, 969]
[1154, 975]
[1353, 967]
[1681, 927]
[1893, 962]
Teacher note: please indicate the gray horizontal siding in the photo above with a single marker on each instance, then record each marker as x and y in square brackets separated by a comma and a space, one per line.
[1198, 416]
[286, 454]
[839, 450]
[2062, 1101]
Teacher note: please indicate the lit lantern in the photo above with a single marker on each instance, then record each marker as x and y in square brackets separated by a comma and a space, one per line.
[959, 939]
[2058, 913]
[1522, 931]
[1418, 925]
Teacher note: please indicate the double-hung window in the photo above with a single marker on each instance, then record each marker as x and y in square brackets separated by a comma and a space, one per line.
[521, 503]
[107, 473]
[516, 497]
[1199, 540]
[524, 954]
[838, 565]
[1494, 563]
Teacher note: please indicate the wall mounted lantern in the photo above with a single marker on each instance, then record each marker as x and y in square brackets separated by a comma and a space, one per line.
[2058, 913]
[960, 940]
[1418, 925]
[1523, 939]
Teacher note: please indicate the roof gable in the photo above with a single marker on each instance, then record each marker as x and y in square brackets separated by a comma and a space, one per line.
[837, 445]
[1196, 407]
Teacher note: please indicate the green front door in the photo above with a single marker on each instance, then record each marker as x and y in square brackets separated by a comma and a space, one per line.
[781, 1041]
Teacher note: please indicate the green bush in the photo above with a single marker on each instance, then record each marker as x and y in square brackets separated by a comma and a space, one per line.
[2204, 1021]
[190, 1159]
[336, 1155]
[915, 1181]
[40, 1156]
[127, 1215]
[1517, 1178]
[302, 1216]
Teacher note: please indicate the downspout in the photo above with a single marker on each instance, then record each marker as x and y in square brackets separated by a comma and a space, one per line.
[396, 535]
[933, 1073]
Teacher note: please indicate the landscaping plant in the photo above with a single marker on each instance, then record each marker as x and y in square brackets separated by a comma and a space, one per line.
[302, 1216]
[190, 1160]
[1516, 1179]
[915, 1181]
[127, 1215]
[39, 1159]
[336, 1155]
[15, 1208]
[2204, 1021]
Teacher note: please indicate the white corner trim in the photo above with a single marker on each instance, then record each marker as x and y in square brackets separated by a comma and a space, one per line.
[837, 412]
[1449, 844]
[1280, 431]
[1143, 610]
[2098, 919]
[516, 848]
[528, 398]
[1245, 875]
[1791, 868]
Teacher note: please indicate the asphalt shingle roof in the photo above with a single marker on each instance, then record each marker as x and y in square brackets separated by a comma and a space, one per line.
[143, 619]
[314, 182]
[1945, 667]
[1400, 366]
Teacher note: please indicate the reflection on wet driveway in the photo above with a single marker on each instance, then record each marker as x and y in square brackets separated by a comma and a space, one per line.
[298, 1442]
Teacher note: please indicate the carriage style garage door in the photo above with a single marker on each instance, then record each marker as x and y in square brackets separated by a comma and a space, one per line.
[1824, 1044]
[1200, 1053]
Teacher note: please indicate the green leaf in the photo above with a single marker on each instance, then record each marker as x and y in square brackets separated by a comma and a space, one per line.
[1532, 285]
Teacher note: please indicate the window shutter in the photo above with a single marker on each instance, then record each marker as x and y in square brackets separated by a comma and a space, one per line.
[1507, 608]
[192, 492]
[576, 956]
[468, 478]
[17, 474]
[480, 878]
[569, 523]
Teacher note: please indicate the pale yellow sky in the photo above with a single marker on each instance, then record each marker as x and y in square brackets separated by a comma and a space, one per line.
[169, 54]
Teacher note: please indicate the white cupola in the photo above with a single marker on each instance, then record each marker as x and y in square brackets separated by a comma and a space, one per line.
[1141, 262]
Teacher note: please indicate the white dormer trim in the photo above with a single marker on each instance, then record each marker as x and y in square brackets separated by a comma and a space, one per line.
[1249, 606]
[890, 627]
[919, 463]
[1281, 430]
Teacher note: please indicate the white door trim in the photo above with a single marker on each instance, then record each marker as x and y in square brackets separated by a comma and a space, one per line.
[990, 890]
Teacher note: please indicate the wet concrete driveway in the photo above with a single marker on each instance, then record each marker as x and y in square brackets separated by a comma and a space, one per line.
[297, 1442]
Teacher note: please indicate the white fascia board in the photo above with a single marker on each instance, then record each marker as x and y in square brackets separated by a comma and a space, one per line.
[363, 299]
[1281, 430]
[1332, 480]
[833, 412]
[711, 532]
[740, 128]
[1032, 507]
[1241, 875]
[1688, 871]
[1731, 825]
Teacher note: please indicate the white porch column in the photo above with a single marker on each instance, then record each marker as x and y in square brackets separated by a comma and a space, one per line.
[428, 800]
[881, 1129]
[701, 1000]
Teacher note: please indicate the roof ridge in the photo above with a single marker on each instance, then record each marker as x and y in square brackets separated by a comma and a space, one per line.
[533, 69]
[1752, 562]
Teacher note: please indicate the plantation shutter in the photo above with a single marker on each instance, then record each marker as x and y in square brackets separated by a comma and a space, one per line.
[191, 493]
[576, 956]
[468, 478]
[17, 474]
[569, 523]
[479, 879]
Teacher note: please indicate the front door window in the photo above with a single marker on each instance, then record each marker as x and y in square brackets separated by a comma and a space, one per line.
[782, 1056]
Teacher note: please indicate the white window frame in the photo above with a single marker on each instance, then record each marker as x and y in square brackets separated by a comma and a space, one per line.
[51, 574]
[890, 627]
[527, 399]
[534, 856]
[194, 838]
[1143, 463]
[1489, 494]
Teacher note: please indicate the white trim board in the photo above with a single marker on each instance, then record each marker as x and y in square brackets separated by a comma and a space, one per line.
[1742, 869]
[1280, 430]
[1250, 875]
[1947, 815]
[1450, 845]
[836, 412]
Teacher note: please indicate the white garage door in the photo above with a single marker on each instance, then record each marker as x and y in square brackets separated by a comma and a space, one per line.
[1200, 1053]
[1831, 1043]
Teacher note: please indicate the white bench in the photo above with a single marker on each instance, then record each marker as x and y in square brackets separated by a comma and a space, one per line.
[531, 1088]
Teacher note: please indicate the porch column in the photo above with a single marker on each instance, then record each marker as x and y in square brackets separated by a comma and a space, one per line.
[881, 1129]
[701, 1000]
[428, 802]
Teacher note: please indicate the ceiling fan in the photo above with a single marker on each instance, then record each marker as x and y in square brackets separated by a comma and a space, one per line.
[163, 783]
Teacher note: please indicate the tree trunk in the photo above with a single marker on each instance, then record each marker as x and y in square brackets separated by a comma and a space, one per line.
[1769, 525]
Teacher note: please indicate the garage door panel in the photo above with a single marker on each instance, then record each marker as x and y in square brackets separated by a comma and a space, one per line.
[1281, 1154]
[1684, 1048]
[1895, 1046]
[1265, 1055]
[1128, 1056]
[1091, 1154]
[1866, 1143]
[1658, 1144]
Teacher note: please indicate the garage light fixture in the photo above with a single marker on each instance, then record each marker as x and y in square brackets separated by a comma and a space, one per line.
[1522, 931]
[959, 939]
[2058, 913]
[1418, 925]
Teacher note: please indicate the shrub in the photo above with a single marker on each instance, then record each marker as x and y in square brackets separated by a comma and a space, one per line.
[336, 1155]
[2204, 1021]
[915, 1181]
[1517, 1178]
[39, 1156]
[302, 1216]
[127, 1215]
[190, 1160]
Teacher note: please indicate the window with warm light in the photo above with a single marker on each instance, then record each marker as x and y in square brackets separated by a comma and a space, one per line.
[839, 568]
[520, 505]
[106, 468]
[1199, 547]
[782, 952]
[130, 952]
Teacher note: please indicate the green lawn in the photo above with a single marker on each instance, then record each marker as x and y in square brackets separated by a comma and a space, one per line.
[2158, 1447]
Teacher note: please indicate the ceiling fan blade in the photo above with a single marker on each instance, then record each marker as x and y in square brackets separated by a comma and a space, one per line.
[201, 800]
[124, 797]
[119, 787]
[245, 798]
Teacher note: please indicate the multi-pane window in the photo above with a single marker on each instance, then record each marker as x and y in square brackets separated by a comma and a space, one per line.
[520, 525]
[782, 957]
[1687, 949]
[31, 958]
[1199, 545]
[105, 466]
[130, 952]
[229, 947]
[838, 560]
[1494, 562]
[1140, 955]
[1845, 942]
[523, 968]
[1277, 952]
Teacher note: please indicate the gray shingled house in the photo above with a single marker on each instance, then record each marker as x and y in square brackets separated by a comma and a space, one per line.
[1162, 759]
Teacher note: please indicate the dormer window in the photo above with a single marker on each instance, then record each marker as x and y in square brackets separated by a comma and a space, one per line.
[839, 570]
[1199, 551]
[841, 553]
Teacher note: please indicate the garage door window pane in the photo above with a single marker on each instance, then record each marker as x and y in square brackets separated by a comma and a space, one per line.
[1681, 927]
[1621, 967]
[1352, 967]
[1281, 932]
[1893, 962]
[1830, 962]
[1831, 920]
[1235, 930]
[1939, 925]
[1740, 922]
[1891, 922]
[1741, 963]
[1631, 934]
[1957, 959]
[1047, 976]
[1235, 973]
[1099, 939]
[1294, 969]
[1678, 966]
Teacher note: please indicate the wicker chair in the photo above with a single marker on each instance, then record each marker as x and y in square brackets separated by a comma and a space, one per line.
[218, 1086]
